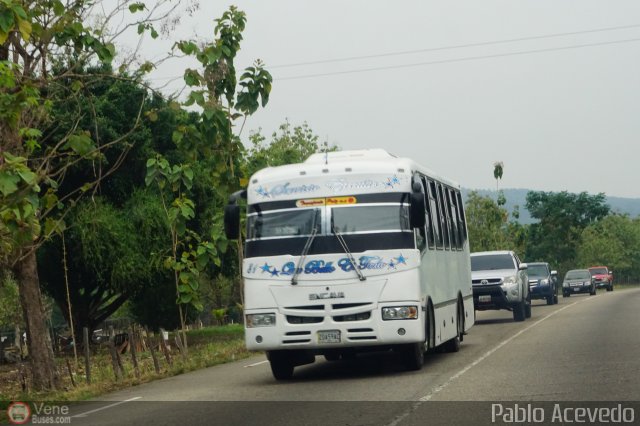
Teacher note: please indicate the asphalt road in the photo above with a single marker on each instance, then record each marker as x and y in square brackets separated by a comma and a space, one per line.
[586, 348]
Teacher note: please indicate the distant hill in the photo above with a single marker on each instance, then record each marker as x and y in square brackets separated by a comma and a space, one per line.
[630, 206]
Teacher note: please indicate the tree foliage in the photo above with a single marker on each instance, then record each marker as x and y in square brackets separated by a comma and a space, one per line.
[562, 216]
[105, 261]
[613, 241]
[44, 48]
[288, 145]
[10, 312]
[208, 141]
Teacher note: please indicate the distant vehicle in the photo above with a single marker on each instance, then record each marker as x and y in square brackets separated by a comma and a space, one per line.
[352, 251]
[578, 281]
[602, 276]
[543, 282]
[500, 281]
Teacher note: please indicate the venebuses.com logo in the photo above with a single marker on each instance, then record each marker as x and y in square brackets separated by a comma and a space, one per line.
[18, 413]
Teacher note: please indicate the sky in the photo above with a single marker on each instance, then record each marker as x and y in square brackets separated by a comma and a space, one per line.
[549, 87]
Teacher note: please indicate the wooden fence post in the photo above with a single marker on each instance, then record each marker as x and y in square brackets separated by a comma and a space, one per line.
[87, 354]
[73, 381]
[165, 349]
[156, 364]
[132, 347]
[114, 355]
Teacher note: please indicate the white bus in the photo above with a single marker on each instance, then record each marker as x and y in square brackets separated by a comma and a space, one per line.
[353, 251]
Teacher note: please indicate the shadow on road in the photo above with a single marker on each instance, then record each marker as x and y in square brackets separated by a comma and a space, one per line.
[371, 365]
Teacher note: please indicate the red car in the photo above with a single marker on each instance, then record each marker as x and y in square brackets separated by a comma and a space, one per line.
[602, 276]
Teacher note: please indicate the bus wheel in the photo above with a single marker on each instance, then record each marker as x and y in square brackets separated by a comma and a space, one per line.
[413, 356]
[281, 365]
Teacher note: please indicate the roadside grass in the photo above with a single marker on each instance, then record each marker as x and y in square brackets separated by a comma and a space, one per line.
[206, 347]
[617, 286]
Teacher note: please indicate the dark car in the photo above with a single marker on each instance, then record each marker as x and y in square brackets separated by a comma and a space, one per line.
[543, 282]
[578, 281]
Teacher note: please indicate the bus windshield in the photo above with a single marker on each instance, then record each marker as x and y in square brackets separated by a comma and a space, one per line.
[284, 231]
[282, 223]
[361, 219]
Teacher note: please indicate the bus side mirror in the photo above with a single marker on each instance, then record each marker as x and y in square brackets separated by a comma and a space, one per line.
[232, 221]
[418, 210]
[232, 215]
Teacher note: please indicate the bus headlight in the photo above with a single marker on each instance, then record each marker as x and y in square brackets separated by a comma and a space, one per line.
[400, 313]
[260, 320]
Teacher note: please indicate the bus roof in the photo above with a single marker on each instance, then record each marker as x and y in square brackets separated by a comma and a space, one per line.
[338, 163]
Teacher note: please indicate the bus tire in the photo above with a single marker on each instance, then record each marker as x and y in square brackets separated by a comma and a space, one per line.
[413, 356]
[430, 332]
[281, 365]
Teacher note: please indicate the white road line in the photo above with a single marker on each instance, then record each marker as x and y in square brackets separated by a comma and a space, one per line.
[257, 363]
[437, 389]
[106, 406]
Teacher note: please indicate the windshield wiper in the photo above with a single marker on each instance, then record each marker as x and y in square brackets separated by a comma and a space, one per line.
[305, 249]
[343, 243]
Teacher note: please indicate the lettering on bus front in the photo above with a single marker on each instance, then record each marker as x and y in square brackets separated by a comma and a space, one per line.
[319, 266]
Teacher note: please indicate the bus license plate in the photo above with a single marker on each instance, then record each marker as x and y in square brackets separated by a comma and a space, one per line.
[484, 298]
[329, 336]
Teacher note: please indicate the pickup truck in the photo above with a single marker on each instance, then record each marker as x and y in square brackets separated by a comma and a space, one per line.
[602, 276]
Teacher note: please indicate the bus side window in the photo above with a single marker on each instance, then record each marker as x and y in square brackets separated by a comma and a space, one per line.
[453, 214]
[446, 229]
[431, 241]
[435, 214]
[420, 233]
[463, 219]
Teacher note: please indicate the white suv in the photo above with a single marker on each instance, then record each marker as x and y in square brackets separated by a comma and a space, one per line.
[500, 281]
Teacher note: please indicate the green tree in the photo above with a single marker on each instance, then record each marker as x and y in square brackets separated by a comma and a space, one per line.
[104, 259]
[561, 216]
[208, 140]
[287, 146]
[10, 313]
[613, 241]
[34, 36]
[485, 222]
[498, 171]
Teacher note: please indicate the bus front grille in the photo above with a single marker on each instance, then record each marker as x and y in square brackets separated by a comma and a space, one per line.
[363, 316]
[295, 319]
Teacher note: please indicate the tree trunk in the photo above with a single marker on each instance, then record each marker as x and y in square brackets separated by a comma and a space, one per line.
[43, 367]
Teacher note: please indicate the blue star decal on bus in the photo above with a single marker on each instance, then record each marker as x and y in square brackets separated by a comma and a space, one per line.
[274, 272]
[262, 191]
[401, 259]
[265, 268]
[392, 181]
[392, 265]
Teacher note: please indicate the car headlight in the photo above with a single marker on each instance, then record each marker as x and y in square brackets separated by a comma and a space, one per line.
[544, 282]
[260, 320]
[565, 284]
[399, 312]
[510, 281]
[587, 283]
